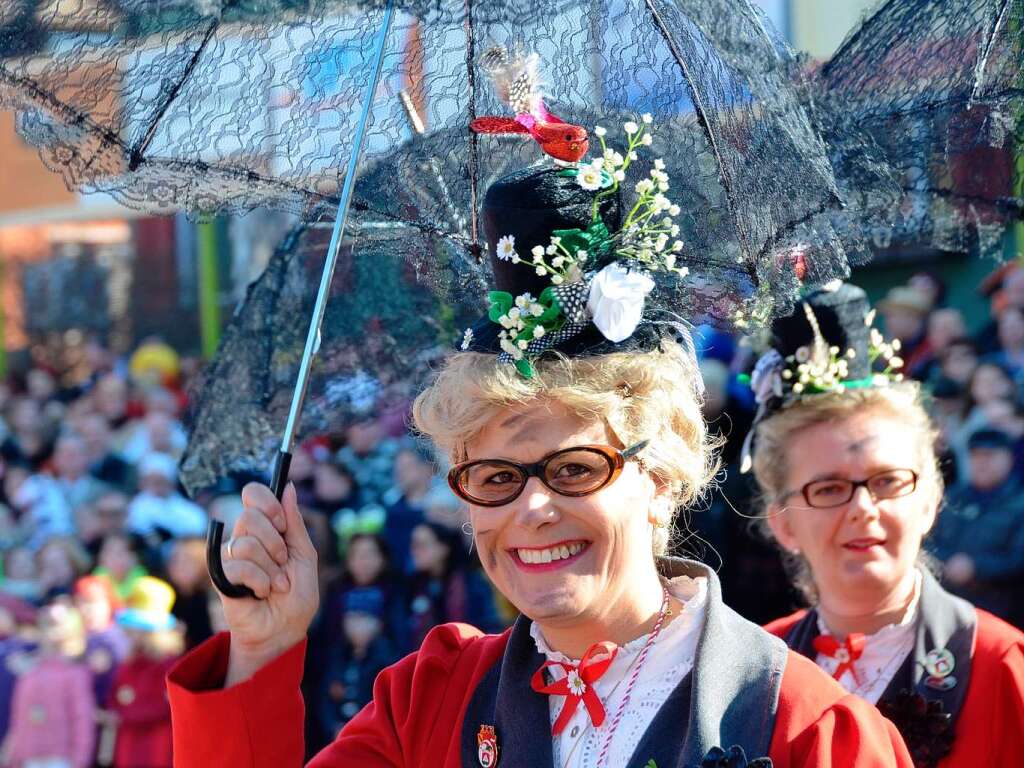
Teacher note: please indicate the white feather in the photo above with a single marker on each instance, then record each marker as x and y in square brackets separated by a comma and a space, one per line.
[514, 77]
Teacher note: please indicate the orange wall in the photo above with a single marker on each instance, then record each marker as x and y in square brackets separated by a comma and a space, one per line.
[24, 181]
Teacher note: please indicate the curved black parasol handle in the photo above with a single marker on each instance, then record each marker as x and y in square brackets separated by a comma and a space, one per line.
[215, 535]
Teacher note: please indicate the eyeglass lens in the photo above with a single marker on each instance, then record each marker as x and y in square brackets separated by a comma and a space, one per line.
[573, 472]
[884, 485]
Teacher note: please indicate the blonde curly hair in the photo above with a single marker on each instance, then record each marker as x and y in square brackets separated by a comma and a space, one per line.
[655, 396]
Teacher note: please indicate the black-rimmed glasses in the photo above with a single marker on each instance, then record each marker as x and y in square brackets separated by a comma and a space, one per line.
[577, 471]
[834, 492]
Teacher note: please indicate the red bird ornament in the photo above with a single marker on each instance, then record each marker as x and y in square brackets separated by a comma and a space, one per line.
[515, 80]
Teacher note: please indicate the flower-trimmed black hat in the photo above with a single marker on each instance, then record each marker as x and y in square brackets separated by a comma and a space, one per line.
[827, 344]
[571, 272]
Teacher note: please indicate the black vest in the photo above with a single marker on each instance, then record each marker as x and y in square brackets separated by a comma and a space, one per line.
[923, 708]
[728, 699]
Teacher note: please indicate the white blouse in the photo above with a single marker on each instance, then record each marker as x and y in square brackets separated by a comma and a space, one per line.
[883, 655]
[670, 659]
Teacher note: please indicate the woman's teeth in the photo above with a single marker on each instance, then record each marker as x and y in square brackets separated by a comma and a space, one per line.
[561, 552]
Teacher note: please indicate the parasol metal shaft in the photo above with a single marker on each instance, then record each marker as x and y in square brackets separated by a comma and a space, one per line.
[215, 532]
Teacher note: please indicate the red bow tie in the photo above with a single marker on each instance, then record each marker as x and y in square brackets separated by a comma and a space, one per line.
[845, 652]
[577, 685]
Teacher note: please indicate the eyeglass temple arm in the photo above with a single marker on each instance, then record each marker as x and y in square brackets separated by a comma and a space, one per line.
[633, 450]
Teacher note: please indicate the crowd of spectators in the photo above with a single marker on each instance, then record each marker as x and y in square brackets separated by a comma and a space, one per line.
[103, 581]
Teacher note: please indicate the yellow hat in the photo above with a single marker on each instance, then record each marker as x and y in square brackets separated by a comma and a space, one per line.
[148, 606]
[154, 361]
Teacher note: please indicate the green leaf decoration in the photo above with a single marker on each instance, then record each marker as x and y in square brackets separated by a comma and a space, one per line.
[595, 239]
[569, 173]
[501, 303]
[651, 764]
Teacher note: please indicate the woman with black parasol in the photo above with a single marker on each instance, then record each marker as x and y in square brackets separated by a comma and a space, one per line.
[572, 417]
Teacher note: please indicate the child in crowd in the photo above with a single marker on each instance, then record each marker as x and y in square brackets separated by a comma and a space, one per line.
[59, 563]
[356, 659]
[186, 571]
[106, 644]
[19, 574]
[138, 699]
[17, 648]
[120, 562]
[53, 710]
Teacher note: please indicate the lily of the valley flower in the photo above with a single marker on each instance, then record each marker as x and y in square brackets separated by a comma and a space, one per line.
[616, 301]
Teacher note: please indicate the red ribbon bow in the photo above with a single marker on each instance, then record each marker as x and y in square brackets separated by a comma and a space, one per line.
[577, 685]
[846, 652]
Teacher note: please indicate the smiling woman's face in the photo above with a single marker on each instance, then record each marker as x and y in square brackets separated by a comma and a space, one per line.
[863, 551]
[606, 535]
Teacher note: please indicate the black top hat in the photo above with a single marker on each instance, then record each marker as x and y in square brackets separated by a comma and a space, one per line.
[827, 344]
[529, 206]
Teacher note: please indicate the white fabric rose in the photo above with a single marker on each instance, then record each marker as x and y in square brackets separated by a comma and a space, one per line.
[616, 300]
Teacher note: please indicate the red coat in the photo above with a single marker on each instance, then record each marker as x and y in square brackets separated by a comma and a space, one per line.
[989, 729]
[139, 698]
[415, 718]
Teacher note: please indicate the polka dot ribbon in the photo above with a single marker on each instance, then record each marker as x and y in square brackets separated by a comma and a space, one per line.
[578, 684]
[845, 652]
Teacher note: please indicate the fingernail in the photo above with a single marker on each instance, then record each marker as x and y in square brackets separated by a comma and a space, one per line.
[281, 582]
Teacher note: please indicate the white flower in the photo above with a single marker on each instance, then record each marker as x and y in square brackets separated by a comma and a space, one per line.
[541, 271]
[589, 178]
[616, 301]
[647, 140]
[644, 186]
[515, 258]
[613, 158]
[620, 176]
[557, 261]
[659, 164]
[581, 255]
[630, 128]
[557, 279]
[600, 131]
[647, 118]
[507, 248]
[513, 314]
[673, 210]
[538, 251]
[538, 331]
[536, 310]
[551, 250]
[575, 682]
[467, 338]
